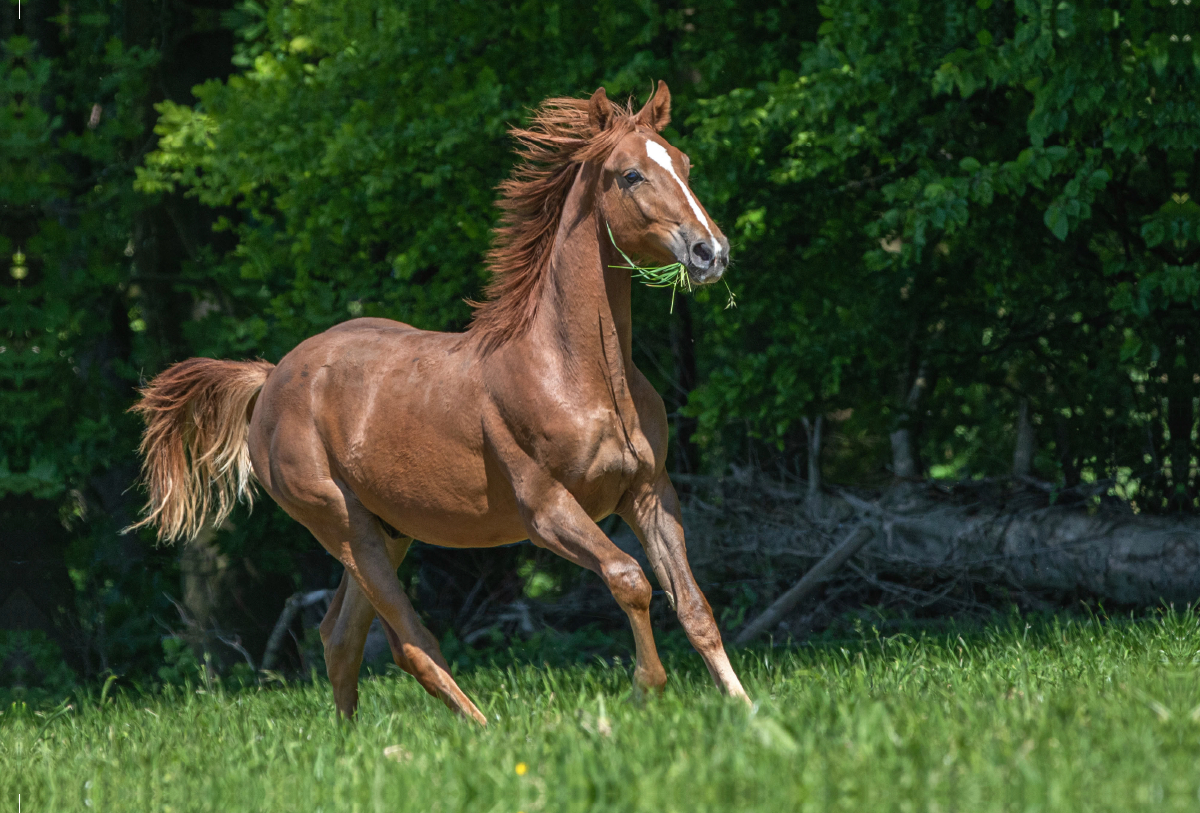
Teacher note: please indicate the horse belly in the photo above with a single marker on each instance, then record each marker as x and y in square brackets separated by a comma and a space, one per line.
[439, 494]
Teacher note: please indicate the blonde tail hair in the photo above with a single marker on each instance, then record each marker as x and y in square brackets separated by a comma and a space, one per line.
[196, 458]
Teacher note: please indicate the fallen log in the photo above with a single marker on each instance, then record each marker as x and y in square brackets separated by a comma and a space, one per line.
[942, 548]
[295, 603]
[822, 570]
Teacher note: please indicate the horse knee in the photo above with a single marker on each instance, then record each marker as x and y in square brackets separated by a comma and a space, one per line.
[628, 584]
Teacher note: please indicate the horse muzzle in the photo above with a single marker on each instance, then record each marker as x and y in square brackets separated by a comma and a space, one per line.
[706, 262]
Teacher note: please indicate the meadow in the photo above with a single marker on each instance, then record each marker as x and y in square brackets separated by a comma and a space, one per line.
[1019, 714]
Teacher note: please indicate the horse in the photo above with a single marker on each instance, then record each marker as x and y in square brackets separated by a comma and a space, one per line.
[534, 423]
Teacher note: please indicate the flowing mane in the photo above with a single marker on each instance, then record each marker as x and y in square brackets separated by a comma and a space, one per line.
[557, 141]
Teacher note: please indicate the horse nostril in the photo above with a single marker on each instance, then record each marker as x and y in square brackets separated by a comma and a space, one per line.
[702, 252]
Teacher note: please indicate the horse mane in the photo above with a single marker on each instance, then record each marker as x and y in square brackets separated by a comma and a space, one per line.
[558, 139]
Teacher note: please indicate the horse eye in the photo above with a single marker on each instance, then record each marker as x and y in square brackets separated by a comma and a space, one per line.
[632, 177]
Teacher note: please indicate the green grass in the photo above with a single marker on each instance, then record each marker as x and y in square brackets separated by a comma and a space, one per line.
[1060, 715]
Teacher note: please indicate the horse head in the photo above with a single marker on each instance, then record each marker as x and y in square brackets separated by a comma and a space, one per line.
[644, 194]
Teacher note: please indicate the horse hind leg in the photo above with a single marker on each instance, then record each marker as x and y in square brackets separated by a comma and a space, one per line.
[351, 533]
[344, 633]
[413, 646]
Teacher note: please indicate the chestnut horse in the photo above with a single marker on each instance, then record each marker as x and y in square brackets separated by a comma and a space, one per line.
[532, 424]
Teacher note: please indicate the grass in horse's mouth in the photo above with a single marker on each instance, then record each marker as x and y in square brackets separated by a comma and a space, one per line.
[673, 276]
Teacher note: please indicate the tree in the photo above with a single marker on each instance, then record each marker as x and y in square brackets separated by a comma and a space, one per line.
[95, 288]
[997, 201]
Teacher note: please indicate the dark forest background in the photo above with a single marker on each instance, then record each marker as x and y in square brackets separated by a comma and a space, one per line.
[965, 251]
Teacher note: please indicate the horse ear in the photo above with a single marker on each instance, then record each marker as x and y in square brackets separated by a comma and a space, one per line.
[657, 112]
[600, 111]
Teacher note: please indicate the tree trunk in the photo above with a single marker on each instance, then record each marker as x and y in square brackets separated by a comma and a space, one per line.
[1023, 453]
[1181, 418]
[812, 429]
[204, 578]
[1061, 550]
[905, 460]
[932, 550]
[903, 464]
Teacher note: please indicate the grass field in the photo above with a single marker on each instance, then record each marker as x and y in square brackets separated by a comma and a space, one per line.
[1050, 715]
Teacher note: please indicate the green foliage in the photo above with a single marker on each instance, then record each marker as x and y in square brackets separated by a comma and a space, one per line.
[67, 216]
[998, 195]
[32, 669]
[1050, 715]
[72, 333]
[180, 666]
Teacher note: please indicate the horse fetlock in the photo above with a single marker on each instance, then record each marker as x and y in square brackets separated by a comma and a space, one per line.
[653, 679]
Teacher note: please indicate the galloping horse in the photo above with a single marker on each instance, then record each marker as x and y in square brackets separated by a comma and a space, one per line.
[532, 424]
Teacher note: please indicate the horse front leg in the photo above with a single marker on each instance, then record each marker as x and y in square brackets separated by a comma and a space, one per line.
[557, 522]
[653, 514]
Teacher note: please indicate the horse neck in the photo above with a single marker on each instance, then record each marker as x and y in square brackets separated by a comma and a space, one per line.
[585, 304]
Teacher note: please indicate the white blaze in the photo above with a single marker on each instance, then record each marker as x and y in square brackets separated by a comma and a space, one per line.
[659, 155]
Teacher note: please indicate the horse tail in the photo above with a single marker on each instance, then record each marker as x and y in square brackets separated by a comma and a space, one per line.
[196, 457]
